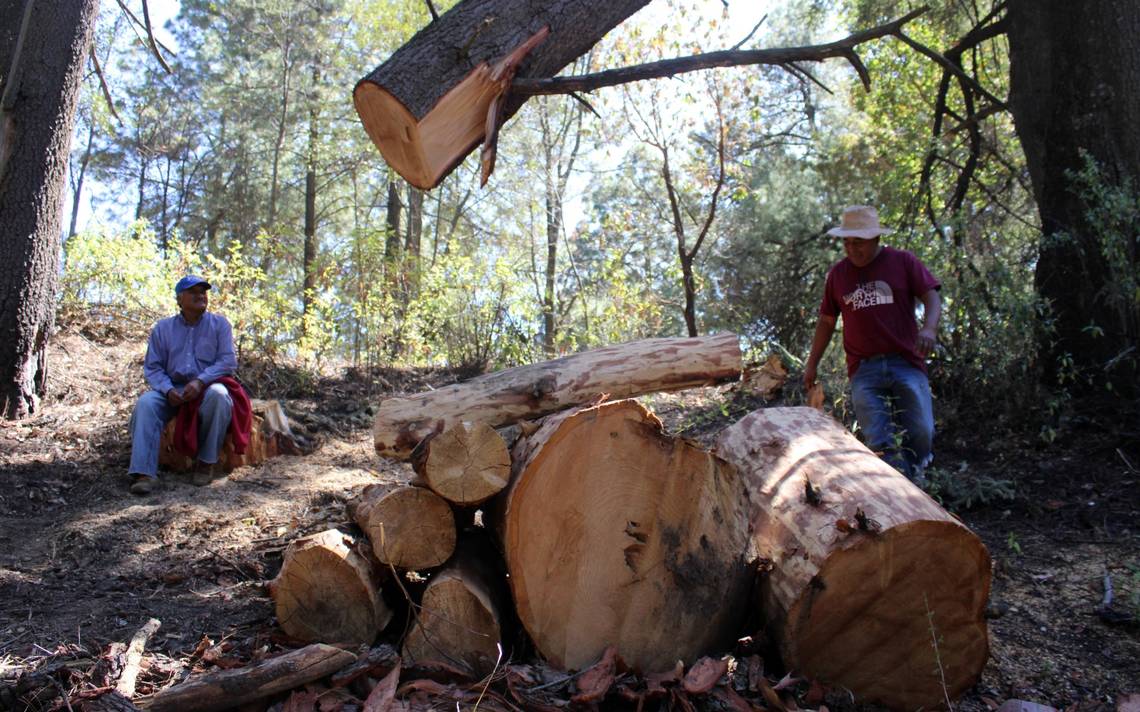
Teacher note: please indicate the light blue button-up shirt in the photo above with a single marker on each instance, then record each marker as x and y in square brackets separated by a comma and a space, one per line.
[177, 352]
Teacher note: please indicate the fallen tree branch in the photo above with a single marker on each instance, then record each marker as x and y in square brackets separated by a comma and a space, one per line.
[126, 684]
[844, 48]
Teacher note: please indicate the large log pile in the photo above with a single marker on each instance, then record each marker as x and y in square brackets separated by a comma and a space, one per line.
[615, 540]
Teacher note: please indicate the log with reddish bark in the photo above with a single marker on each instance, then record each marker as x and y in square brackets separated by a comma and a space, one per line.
[615, 533]
[504, 397]
[233, 688]
[461, 615]
[873, 586]
[428, 104]
[270, 436]
[466, 464]
[409, 527]
[328, 591]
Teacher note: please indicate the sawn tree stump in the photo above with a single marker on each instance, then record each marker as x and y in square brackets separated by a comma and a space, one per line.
[873, 586]
[616, 534]
[270, 436]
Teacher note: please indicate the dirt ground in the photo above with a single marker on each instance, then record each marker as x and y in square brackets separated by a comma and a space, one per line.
[84, 564]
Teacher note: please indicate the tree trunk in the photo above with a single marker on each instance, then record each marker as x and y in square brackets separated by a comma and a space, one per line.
[309, 268]
[502, 398]
[327, 592]
[616, 534]
[460, 620]
[409, 527]
[426, 107]
[872, 586]
[466, 464]
[1085, 103]
[233, 688]
[36, 115]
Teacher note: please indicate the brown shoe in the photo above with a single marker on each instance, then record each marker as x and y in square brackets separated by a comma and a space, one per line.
[205, 473]
[142, 485]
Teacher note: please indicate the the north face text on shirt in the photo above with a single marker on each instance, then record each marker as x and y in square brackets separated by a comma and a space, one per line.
[869, 294]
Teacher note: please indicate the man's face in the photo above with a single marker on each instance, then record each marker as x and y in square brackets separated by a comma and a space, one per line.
[193, 301]
[861, 251]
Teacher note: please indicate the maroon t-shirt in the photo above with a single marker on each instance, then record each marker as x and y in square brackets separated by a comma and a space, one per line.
[877, 303]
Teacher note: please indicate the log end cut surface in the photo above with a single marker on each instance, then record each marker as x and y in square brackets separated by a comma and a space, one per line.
[326, 592]
[467, 464]
[409, 527]
[458, 623]
[874, 613]
[616, 534]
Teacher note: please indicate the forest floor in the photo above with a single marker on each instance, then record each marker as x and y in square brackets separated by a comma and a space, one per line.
[84, 564]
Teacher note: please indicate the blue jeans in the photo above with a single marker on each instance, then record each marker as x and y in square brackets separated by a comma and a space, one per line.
[153, 412]
[893, 406]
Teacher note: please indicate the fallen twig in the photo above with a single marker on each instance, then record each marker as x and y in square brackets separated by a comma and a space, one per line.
[126, 684]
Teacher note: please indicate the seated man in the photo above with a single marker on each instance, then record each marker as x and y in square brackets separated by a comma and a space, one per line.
[187, 356]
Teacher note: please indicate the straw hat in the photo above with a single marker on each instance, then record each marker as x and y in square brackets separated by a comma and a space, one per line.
[859, 221]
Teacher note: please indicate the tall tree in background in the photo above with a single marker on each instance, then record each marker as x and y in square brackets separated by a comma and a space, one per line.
[1075, 92]
[42, 55]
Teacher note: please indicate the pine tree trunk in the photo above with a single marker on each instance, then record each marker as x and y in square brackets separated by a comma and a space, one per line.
[36, 116]
[504, 397]
[616, 534]
[426, 107]
[872, 586]
[1065, 109]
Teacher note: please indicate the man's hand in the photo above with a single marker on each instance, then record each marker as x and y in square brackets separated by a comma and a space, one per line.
[809, 376]
[925, 342]
[192, 390]
[174, 397]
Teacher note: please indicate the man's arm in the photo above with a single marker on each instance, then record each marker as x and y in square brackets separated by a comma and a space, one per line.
[928, 334]
[154, 366]
[824, 328]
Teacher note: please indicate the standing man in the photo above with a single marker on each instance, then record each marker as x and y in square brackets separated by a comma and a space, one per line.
[186, 355]
[876, 288]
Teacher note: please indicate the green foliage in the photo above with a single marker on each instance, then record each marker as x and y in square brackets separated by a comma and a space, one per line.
[962, 489]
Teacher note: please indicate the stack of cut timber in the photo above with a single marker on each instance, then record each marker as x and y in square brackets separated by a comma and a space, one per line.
[873, 586]
[615, 534]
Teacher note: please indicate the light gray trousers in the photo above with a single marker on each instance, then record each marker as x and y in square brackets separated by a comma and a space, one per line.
[151, 415]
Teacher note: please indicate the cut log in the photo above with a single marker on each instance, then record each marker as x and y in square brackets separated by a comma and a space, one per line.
[460, 619]
[427, 106]
[502, 398]
[466, 464]
[409, 527]
[873, 586]
[616, 534]
[232, 688]
[329, 592]
[270, 436]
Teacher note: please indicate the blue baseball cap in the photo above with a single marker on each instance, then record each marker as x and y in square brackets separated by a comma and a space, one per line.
[189, 281]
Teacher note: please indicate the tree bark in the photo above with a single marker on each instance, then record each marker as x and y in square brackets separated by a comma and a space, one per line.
[466, 464]
[616, 534]
[1085, 103]
[622, 371]
[872, 586]
[460, 620]
[36, 116]
[328, 592]
[409, 527]
[232, 688]
[426, 107]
